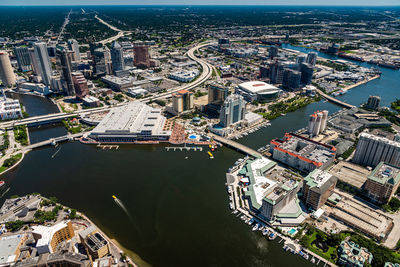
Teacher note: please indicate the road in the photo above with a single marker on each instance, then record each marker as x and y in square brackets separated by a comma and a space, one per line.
[120, 33]
[66, 21]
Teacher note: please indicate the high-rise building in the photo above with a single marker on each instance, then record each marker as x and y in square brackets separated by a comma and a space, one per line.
[23, 59]
[99, 62]
[73, 45]
[65, 59]
[80, 85]
[312, 58]
[264, 71]
[372, 149]
[233, 110]
[307, 71]
[182, 101]
[301, 59]
[276, 69]
[273, 52]
[373, 102]
[117, 57]
[317, 122]
[217, 93]
[142, 56]
[43, 62]
[34, 61]
[318, 186]
[291, 79]
[6, 71]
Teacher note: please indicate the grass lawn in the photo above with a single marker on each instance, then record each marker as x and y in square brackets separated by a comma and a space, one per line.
[326, 255]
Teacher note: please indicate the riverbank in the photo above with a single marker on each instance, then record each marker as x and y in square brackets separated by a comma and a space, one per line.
[345, 89]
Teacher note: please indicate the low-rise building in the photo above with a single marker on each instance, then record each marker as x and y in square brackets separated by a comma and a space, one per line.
[351, 254]
[383, 182]
[10, 248]
[257, 91]
[302, 153]
[184, 75]
[91, 101]
[318, 186]
[10, 109]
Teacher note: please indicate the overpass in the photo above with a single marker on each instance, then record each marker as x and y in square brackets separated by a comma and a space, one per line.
[334, 100]
[235, 145]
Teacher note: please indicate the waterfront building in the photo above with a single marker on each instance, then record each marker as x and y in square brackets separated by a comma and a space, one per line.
[318, 186]
[73, 45]
[65, 61]
[10, 248]
[307, 71]
[80, 85]
[35, 87]
[184, 76]
[312, 58]
[301, 59]
[63, 258]
[7, 76]
[34, 61]
[142, 56]
[217, 93]
[291, 79]
[317, 122]
[271, 193]
[372, 149]
[233, 110]
[94, 242]
[131, 123]
[48, 237]
[44, 69]
[182, 100]
[273, 52]
[302, 153]
[117, 57]
[257, 91]
[383, 182]
[9, 108]
[351, 254]
[23, 58]
[373, 102]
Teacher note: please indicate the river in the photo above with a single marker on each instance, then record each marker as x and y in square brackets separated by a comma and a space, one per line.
[177, 211]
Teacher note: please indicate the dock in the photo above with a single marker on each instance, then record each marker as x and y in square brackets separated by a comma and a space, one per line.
[108, 146]
[184, 148]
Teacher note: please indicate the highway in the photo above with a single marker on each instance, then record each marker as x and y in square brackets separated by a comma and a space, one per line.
[120, 33]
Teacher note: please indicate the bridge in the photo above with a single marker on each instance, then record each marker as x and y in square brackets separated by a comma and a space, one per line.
[235, 145]
[334, 100]
[53, 141]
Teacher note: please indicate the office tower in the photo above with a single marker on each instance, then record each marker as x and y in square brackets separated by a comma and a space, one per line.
[317, 122]
[223, 41]
[372, 149]
[142, 57]
[276, 69]
[307, 71]
[312, 58]
[43, 62]
[23, 59]
[273, 52]
[264, 71]
[373, 102]
[34, 61]
[182, 101]
[233, 110]
[291, 79]
[6, 71]
[300, 59]
[73, 45]
[99, 62]
[333, 49]
[80, 85]
[217, 93]
[65, 59]
[318, 186]
[117, 57]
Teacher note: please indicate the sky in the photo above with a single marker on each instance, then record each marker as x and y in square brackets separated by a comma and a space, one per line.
[204, 2]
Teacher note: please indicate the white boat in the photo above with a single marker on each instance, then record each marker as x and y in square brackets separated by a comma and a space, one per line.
[255, 227]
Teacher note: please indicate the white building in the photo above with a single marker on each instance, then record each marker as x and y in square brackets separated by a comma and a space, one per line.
[317, 122]
[257, 91]
[35, 87]
[184, 76]
[10, 109]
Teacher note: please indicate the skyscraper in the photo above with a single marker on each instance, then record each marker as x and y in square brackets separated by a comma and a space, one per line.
[142, 57]
[117, 57]
[307, 71]
[6, 71]
[373, 102]
[182, 101]
[43, 62]
[291, 79]
[372, 149]
[233, 110]
[217, 93]
[73, 45]
[23, 59]
[273, 52]
[317, 122]
[300, 59]
[65, 59]
[80, 85]
[312, 58]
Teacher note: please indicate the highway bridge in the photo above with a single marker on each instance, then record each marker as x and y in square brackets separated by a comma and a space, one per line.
[334, 100]
[235, 145]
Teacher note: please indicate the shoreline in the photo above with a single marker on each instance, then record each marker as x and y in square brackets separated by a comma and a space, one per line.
[345, 89]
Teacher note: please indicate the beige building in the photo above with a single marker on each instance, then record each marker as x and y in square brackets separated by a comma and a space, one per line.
[6, 71]
[318, 186]
[182, 101]
[48, 238]
[94, 242]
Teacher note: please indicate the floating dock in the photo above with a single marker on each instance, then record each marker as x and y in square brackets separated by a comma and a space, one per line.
[184, 148]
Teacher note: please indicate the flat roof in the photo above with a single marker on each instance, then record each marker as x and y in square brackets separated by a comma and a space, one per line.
[47, 233]
[385, 173]
[8, 246]
[258, 87]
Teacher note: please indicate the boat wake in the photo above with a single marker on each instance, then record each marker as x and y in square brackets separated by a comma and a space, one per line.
[122, 206]
[2, 195]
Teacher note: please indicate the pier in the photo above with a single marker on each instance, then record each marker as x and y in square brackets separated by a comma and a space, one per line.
[184, 148]
[235, 145]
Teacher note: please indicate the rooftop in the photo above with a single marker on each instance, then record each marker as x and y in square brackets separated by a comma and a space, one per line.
[385, 173]
[258, 87]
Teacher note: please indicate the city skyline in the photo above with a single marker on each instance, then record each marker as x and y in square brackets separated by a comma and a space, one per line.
[197, 3]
